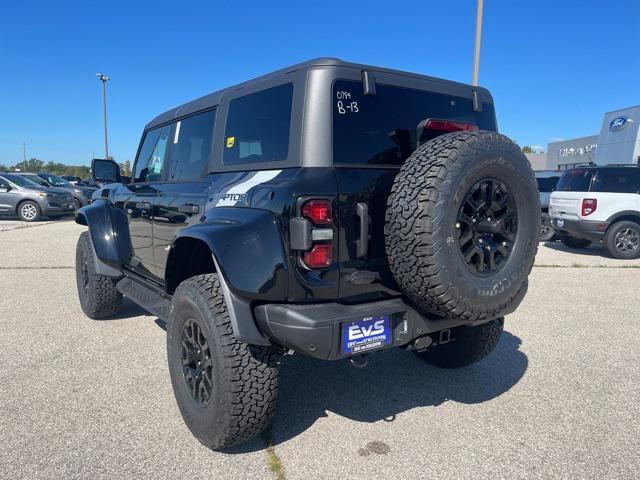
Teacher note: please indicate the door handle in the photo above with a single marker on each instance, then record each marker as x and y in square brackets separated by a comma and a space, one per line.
[143, 205]
[362, 245]
[188, 208]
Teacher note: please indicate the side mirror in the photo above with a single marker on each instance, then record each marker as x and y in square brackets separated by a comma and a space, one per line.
[4, 189]
[105, 171]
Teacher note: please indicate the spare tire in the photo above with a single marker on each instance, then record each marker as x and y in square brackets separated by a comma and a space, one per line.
[462, 226]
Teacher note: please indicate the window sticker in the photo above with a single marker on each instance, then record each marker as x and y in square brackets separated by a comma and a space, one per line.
[231, 141]
[176, 136]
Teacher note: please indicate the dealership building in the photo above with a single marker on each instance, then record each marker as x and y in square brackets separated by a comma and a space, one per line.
[617, 143]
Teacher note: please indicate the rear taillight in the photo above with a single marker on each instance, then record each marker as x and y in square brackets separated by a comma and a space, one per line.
[449, 126]
[317, 211]
[317, 245]
[319, 256]
[589, 206]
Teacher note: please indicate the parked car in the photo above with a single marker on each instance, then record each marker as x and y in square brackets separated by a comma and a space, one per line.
[71, 179]
[30, 201]
[333, 210]
[547, 181]
[599, 204]
[81, 195]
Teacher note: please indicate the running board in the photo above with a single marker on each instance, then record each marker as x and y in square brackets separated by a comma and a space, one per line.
[146, 294]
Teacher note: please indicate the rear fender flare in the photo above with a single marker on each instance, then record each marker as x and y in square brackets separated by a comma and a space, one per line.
[248, 250]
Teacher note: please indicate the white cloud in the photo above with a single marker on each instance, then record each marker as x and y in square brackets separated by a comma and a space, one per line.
[556, 139]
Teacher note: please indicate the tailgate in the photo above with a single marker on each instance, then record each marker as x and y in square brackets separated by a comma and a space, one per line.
[566, 205]
[364, 270]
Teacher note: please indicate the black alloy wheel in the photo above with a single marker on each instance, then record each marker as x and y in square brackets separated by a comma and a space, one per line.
[197, 366]
[487, 226]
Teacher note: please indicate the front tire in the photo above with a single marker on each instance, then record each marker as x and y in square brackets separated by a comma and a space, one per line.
[226, 390]
[98, 295]
[575, 243]
[623, 240]
[468, 345]
[29, 211]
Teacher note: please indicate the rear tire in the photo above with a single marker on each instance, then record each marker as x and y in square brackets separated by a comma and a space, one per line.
[623, 240]
[449, 261]
[575, 243]
[230, 396]
[468, 345]
[29, 211]
[547, 232]
[98, 295]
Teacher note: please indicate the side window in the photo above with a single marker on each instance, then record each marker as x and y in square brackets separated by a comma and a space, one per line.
[152, 155]
[258, 126]
[191, 146]
[621, 180]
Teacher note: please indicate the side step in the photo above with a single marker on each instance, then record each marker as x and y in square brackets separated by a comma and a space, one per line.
[146, 294]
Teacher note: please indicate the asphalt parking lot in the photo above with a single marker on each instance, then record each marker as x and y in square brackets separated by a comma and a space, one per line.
[557, 399]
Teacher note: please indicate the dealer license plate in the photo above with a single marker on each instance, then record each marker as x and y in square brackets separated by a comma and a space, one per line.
[359, 336]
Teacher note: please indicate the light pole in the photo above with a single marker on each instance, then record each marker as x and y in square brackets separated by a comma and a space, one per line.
[103, 78]
[476, 55]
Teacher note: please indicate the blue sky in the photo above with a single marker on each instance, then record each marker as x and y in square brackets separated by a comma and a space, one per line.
[554, 67]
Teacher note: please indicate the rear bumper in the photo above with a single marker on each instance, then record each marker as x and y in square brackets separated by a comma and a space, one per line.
[587, 229]
[317, 329]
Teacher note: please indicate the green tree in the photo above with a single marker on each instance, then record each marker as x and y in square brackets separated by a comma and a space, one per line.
[527, 149]
[31, 165]
[3, 168]
[125, 168]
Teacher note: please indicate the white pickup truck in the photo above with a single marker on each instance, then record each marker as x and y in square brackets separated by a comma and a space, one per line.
[599, 204]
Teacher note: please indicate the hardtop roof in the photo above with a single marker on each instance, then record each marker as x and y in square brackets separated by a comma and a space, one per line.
[213, 99]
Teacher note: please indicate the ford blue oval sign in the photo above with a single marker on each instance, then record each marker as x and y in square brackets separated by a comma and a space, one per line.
[619, 123]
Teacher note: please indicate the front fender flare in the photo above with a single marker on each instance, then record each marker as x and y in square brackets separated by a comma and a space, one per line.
[109, 232]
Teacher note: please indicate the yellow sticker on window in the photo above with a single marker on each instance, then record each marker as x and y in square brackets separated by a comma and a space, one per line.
[231, 142]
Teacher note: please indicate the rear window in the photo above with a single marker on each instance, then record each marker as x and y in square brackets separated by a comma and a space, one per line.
[258, 126]
[575, 180]
[619, 180]
[381, 129]
[547, 185]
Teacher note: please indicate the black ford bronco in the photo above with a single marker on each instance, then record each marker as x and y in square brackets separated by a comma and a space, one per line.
[329, 209]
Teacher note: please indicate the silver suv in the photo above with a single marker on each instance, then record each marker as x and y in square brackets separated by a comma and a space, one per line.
[31, 201]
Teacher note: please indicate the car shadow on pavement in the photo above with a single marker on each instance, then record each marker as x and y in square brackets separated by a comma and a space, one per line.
[591, 250]
[393, 382]
[127, 311]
